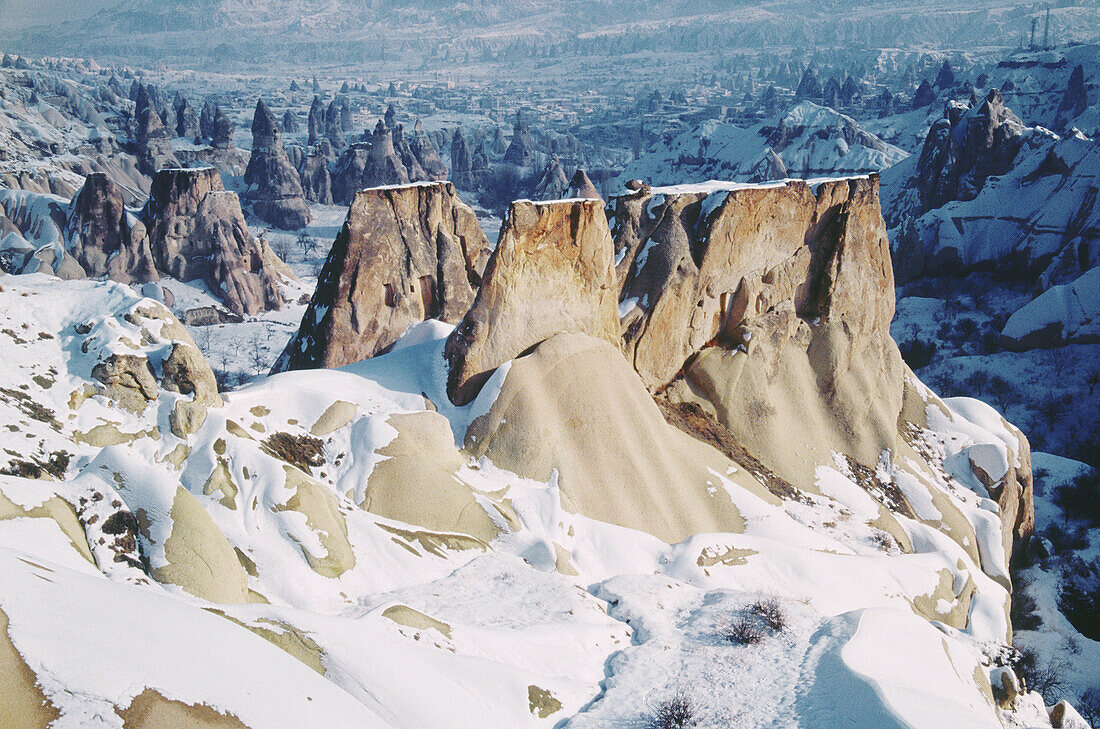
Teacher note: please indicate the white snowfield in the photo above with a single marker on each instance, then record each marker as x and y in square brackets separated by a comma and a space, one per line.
[812, 141]
[346, 618]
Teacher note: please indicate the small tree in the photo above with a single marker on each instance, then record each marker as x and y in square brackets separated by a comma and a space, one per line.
[1059, 359]
[1002, 392]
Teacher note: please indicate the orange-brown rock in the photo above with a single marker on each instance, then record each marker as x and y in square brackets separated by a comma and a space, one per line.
[405, 254]
[553, 271]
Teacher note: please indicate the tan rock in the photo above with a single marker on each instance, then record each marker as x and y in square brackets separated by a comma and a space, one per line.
[128, 379]
[199, 557]
[552, 271]
[418, 484]
[405, 254]
[322, 512]
[772, 305]
[575, 407]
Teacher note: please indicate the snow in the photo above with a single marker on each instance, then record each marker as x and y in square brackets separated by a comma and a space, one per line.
[813, 146]
[1073, 308]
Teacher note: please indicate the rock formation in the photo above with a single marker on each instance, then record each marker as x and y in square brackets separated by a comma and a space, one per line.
[581, 187]
[361, 166]
[426, 153]
[521, 150]
[334, 130]
[793, 310]
[573, 406]
[315, 177]
[197, 231]
[1075, 101]
[390, 117]
[187, 122]
[965, 148]
[206, 121]
[153, 139]
[408, 158]
[316, 121]
[290, 122]
[553, 183]
[273, 185]
[222, 136]
[552, 271]
[461, 162]
[405, 254]
[104, 237]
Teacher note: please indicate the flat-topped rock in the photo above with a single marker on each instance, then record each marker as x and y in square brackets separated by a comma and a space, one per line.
[552, 271]
[405, 254]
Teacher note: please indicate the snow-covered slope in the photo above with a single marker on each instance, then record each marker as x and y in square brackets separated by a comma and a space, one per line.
[809, 141]
[473, 597]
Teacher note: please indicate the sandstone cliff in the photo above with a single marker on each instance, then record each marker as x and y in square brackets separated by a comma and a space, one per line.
[552, 271]
[405, 254]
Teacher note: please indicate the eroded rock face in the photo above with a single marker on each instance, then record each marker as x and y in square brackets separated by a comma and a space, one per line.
[581, 186]
[152, 137]
[575, 407]
[426, 154]
[315, 178]
[197, 230]
[771, 308]
[461, 162]
[363, 166]
[221, 130]
[552, 271]
[106, 239]
[521, 150]
[962, 150]
[553, 184]
[405, 254]
[274, 188]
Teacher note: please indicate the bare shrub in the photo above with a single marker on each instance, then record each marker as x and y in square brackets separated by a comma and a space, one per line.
[771, 612]
[675, 712]
[744, 631]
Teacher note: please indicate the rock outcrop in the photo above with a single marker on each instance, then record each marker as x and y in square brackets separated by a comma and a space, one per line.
[580, 186]
[964, 149]
[274, 188]
[222, 130]
[187, 121]
[426, 154]
[574, 406]
[521, 150]
[315, 177]
[197, 231]
[152, 137]
[405, 254]
[105, 238]
[775, 305]
[363, 166]
[462, 163]
[316, 121]
[206, 121]
[553, 183]
[552, 271]
[408, 158]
